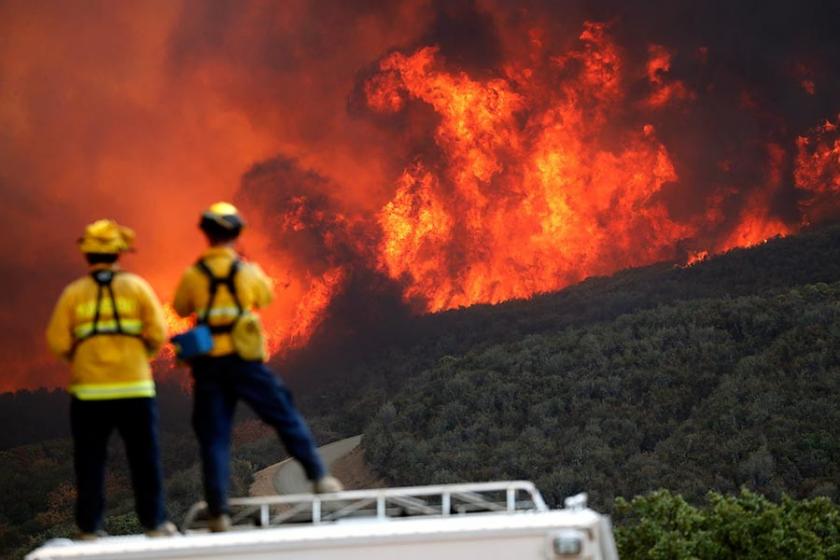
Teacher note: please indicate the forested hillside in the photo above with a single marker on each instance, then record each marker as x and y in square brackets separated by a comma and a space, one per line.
[715, 393]
[344, 394]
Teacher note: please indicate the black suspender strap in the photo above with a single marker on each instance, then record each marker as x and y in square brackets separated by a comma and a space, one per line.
[116, 310]
[95, 328]
[104, 281]
[213, 287]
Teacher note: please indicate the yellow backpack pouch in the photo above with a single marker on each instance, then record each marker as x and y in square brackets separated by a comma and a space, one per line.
[247, 336]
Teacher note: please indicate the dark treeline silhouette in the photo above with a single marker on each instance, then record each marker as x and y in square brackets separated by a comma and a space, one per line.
[33, 416]
[43, 414]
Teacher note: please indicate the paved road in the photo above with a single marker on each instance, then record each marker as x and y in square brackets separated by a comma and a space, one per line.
[289, 477]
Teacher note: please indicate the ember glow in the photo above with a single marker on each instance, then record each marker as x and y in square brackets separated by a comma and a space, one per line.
[818, 159]
[453, 152]
[174, 324]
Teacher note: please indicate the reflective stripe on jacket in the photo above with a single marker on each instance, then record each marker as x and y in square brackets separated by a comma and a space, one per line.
[108, 365]
[124, 390]
[126, 326]
[253, 287]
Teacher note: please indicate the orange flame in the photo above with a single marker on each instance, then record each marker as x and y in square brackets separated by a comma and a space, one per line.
[697, 257]
[174, 325]
[308, 314]
[818, 159]
[518, 209]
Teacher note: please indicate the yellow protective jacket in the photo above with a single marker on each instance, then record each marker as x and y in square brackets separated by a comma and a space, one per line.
[108, 366]
[253, 287]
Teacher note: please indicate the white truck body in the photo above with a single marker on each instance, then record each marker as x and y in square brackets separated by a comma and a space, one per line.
[440, 522]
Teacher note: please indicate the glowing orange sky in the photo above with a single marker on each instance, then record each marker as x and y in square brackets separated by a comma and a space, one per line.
[103, 114]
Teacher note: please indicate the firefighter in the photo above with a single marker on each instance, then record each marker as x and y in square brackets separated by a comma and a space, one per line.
[108, 325]
[223, 291]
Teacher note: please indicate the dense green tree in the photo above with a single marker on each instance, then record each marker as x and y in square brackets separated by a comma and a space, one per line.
[663, 526]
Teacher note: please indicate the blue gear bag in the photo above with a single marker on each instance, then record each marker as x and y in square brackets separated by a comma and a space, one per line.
[198, 341]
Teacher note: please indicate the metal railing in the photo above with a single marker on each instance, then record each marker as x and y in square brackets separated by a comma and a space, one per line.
[380, 504]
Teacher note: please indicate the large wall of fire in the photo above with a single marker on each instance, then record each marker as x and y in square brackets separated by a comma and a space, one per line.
[457, 152]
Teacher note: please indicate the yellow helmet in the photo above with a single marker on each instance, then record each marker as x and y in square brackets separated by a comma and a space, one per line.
[222, 219]
[106, 236]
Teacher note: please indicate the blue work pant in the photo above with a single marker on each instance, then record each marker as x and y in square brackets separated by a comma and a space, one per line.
[136, 420]
[219, 382]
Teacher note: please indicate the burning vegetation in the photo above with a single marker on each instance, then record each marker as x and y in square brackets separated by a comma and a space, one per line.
[548, 171]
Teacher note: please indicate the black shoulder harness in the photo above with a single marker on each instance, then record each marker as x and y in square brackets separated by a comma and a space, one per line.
[104, 282]
[215, 282]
